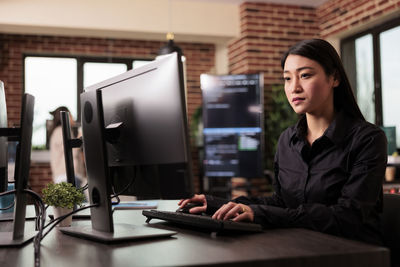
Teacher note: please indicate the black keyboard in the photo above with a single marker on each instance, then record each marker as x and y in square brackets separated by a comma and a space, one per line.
[202, 221]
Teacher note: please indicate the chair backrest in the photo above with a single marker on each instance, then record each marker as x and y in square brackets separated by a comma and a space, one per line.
[391, 225]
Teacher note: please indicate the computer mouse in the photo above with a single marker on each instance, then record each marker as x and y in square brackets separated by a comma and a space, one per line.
[188, 206]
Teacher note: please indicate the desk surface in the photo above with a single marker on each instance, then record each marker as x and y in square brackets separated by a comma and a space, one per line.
[278, 247]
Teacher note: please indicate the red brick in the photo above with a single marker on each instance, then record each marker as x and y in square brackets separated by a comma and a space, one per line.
[200, 60]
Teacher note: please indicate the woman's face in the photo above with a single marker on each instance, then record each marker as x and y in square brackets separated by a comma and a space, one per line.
[307, 87]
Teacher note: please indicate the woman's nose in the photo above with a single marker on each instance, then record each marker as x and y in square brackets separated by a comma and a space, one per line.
[296, 86]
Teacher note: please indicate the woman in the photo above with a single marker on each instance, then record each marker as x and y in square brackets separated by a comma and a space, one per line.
[57, 162]
[329, 167]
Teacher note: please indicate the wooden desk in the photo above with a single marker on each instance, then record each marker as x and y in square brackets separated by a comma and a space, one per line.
[280, 247]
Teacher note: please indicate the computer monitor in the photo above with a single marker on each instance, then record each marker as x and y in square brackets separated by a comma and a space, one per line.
[233, 125]
[23, 135]
[146, 130]
[3, 141]
[135, 119]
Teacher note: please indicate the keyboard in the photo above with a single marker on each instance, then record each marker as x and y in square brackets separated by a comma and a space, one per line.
[202, 221]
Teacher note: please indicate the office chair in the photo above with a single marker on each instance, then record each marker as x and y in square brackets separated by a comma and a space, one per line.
[391, 226]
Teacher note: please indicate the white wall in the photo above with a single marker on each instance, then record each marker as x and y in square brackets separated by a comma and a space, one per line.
[202, 21]
[190, 20]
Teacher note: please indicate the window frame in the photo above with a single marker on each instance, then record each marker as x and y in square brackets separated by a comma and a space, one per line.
[375, 31]
[81, 60]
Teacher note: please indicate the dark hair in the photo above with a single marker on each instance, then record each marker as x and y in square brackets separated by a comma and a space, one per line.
[325, 54]
[56, 118]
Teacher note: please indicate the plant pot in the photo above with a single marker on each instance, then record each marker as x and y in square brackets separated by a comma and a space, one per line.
[58, 212]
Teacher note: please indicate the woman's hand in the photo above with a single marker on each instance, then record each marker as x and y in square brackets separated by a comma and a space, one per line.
[196, 199]
[237, 211]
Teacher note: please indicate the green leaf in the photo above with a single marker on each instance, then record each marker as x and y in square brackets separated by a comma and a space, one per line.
[279, 116]
[63, 195]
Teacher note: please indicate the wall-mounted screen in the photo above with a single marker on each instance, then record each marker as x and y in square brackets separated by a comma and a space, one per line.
[233, 125]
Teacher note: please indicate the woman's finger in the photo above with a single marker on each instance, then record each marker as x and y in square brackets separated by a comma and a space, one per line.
[220, 214]
[198, 209]
[242, 217]
[196, 199]
[233, 212]
[246, 214]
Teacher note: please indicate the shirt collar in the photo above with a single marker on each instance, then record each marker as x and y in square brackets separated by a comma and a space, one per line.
[337, 130]
[340, 127]
[299, 130]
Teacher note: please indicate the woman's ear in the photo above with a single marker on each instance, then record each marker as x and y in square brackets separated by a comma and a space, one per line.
[336, 79]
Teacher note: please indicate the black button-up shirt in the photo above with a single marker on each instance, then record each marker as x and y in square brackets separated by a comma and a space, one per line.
[333, 186]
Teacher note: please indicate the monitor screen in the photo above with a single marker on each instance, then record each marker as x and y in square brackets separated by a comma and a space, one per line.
[3, 141]
[233, 125]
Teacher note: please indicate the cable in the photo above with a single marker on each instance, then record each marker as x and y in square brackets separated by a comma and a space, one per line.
[8, 192]
[123, 190]
[8, 207]
[41, 218]
[40, 223]
[83, 188]
[5, 194]
[56, 221]
[40, 235]
[116, 195]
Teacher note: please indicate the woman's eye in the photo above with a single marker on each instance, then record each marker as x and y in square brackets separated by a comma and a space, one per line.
[305, 75]
[286, 78]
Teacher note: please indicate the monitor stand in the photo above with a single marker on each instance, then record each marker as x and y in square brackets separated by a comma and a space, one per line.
[122, 232]
[102, 227]
[6, 239]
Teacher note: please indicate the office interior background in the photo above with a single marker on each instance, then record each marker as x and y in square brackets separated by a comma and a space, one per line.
[68, 38]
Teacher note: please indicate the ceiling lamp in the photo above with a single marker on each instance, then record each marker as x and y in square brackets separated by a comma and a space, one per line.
[170, 46]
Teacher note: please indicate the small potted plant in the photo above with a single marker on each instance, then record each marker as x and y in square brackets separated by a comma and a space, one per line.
[63, 197]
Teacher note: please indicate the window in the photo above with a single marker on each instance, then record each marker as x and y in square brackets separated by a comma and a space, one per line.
[139, 63]
[390, 78]
[371, 61]
[365, 76]
[53, 82]
[58, 81]
[97, 72]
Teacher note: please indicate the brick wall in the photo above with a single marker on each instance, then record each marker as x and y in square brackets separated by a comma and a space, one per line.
[266, 32]
[200, 58]
[40, 175]
[338, 16]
